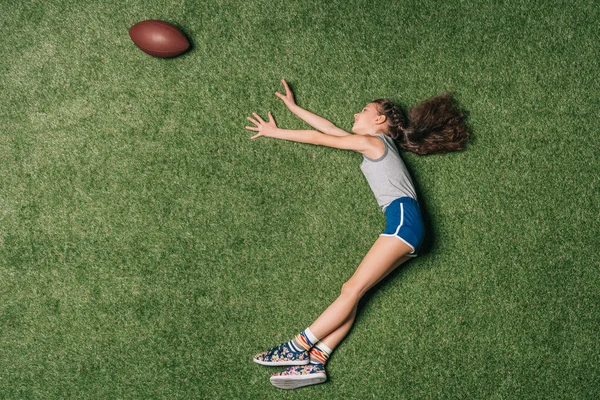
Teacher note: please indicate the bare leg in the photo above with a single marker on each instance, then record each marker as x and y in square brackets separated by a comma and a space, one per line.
[334, 324]
[334, 338]
[386, 254]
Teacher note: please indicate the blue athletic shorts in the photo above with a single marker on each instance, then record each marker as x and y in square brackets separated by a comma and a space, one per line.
[404, 221]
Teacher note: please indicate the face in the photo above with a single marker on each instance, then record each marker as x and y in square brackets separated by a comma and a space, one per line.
[368, 121]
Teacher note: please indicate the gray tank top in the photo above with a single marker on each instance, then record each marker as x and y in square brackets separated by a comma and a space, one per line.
[388, 176]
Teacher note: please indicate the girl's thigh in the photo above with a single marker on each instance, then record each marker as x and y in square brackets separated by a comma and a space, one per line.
[386, 254]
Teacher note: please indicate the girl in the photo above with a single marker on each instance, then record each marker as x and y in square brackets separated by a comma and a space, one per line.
[434, 126]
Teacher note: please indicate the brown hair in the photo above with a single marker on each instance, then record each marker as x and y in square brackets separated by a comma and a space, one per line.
[434, 126]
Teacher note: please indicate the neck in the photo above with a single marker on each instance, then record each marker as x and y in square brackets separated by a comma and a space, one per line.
[374, 131]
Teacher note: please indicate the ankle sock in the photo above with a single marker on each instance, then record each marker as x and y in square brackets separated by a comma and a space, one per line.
[303, 341]
[320, 353]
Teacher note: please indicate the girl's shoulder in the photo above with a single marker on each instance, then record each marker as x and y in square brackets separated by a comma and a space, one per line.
[377, 147]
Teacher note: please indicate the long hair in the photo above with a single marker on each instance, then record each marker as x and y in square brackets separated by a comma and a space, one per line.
[434, 126]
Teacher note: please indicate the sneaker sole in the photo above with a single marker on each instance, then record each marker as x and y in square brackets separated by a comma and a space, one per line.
[295, 382]
[278, 363]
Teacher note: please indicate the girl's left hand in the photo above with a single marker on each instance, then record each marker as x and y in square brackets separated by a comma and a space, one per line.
[263, 128]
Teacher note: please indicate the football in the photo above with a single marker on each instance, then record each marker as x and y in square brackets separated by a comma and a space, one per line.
[159, 38]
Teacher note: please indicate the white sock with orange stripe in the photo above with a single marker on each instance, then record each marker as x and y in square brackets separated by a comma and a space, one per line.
[319, 353]
[303, 341]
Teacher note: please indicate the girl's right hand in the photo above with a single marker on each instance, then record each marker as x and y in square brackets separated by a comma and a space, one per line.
[288, 99]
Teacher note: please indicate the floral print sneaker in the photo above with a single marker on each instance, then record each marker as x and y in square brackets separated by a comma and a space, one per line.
[282, 355]
[295, 377]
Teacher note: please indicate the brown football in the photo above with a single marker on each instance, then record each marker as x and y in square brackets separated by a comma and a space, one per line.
[159, 38]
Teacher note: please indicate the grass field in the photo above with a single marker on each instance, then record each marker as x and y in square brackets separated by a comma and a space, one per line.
[148, 248]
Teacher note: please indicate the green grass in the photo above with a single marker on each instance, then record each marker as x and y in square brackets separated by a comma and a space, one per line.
[148, 248]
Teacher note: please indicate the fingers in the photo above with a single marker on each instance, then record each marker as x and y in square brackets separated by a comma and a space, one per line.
[260, 124]
[287, 88]
[262, 121]
[258, 121]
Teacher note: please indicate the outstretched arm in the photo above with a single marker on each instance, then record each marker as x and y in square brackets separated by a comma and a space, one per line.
[317, 122]
[360, 144]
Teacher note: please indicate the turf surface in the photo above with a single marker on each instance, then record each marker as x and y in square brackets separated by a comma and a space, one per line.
[148, 248]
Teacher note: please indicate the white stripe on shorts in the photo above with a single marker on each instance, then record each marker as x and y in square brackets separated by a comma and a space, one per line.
[401, 218]
[398, 230]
